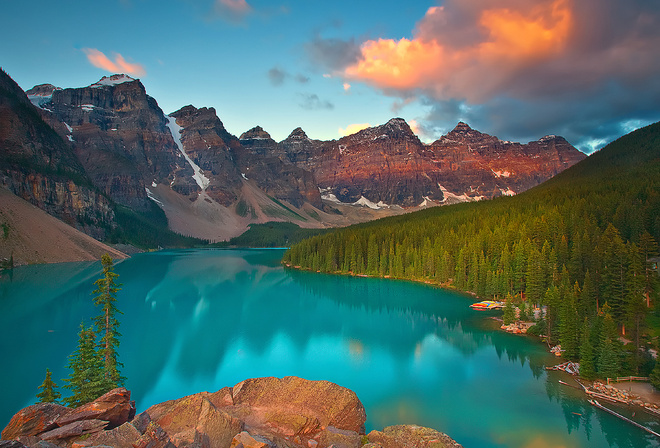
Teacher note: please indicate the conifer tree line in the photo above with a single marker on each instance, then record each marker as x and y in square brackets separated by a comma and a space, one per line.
[580, 245]
[95, 368]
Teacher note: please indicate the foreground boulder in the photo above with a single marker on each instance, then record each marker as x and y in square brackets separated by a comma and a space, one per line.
[411, 436]
[285, 412]
[34, 420]
[49, 421]
[115, 407]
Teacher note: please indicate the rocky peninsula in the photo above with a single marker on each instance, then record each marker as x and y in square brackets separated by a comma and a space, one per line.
[268, 412]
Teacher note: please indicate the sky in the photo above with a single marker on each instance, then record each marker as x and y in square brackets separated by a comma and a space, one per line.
[588, 70]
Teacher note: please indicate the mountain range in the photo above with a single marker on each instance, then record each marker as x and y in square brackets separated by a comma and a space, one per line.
[105, 157]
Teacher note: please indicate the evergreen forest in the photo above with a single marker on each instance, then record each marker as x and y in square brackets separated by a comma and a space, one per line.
[582, 246]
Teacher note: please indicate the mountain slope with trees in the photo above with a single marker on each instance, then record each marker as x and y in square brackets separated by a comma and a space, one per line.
[581, 244]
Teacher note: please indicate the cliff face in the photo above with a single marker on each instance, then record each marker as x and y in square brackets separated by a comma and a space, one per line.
[480, 163]
[39, 166]
[209, 145]
[120, 137]
[266, 162]
[389, 164]
[383, 164]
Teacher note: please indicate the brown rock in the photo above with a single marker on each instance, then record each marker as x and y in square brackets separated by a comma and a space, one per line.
[123, 436]
[11, 444]
[246, 440]
[43, 444]
[193, 417]
[315, 401]
[154, 437]
[411, 436]
[340, 438]
[114, 407]
[34, 420]
[75, 429]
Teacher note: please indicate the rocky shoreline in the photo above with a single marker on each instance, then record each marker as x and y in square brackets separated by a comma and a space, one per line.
[290, 412]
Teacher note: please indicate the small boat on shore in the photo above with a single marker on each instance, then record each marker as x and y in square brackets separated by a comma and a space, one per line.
[487, 305]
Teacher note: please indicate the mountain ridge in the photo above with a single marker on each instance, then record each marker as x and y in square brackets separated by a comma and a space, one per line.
[140, 157]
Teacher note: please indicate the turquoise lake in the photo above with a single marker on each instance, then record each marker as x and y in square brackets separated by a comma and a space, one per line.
[198, 320]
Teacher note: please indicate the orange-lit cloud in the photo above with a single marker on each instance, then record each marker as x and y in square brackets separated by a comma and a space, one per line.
[119, 65]
[240, 6]
[353, 128]
[414, 126]
[509, 39]
[233, 10]
[518, 69]
[347, 87]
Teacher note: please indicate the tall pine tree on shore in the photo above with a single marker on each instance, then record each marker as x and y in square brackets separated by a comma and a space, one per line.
[94, 365]
[106, 324]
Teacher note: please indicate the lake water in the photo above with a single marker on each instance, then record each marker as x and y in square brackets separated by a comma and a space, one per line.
[198, 320]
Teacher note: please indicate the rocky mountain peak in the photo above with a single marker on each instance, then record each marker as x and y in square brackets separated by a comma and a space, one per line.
[394, 130]
[462, 127]
[113, 80]
[297, 134]
[204, 117]
[398, 124]
[463, 133]
[42, 90]
[41, 94]
[256, 133]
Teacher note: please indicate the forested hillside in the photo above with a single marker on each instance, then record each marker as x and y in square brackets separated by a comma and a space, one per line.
[579, 244]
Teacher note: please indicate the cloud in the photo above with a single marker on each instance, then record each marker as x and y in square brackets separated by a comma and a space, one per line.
[333, 54]
[414, 126]
[277, 77]
[347, 87]
[313, 102]
[568, 63]
[302, 79]
[353, 128]
[119, 65]
[232, 10]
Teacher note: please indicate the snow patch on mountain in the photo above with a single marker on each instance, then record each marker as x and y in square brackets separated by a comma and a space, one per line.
[151, 196]
[367, 203]
[501, 173]
[112, 80]
[451, 198]
[198, 175]
[427, 202]
[508, 192]
[40, 100]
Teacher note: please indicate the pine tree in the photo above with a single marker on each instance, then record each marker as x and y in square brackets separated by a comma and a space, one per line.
[609, 350]
[568, 322]
[608, 363]
[655, 375]
[509, 315]
[86, 378]
[107, 324]
[48, 393]
[648, 248]
[587, 366]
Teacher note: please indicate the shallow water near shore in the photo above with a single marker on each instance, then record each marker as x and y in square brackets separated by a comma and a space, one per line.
[198, 320]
